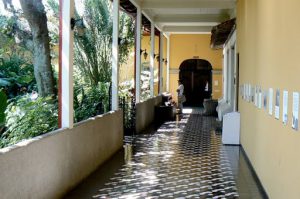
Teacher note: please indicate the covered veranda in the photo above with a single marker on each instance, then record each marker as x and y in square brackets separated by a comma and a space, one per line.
[180, 158]
[62, 159]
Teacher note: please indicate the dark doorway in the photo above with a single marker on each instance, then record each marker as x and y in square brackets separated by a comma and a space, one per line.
[197, 80]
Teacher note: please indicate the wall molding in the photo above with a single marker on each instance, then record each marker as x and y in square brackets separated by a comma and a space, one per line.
[214, 71]
[217, 71]
[174, 70]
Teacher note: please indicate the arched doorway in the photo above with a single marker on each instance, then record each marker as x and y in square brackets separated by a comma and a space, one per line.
[196, 76]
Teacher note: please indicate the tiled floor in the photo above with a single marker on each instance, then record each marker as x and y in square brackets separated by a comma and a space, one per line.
[184, 159]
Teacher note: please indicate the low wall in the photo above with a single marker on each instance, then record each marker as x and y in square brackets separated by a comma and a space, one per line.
[145, 113]
[49, 165]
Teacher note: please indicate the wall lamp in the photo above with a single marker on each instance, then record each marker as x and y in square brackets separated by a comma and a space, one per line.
[122, 41]
[145, 54]
[157, 57]
[165, 60]
[79, 24]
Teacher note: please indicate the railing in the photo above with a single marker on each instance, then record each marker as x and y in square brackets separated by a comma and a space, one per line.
[127, 104]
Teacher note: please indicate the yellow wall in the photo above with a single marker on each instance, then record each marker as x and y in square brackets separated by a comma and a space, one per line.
[165, 65]
[217, 86]
[187, 46]
[268, 34]
[127, 69]
[156, 50]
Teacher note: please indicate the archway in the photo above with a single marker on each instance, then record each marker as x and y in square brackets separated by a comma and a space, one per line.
[196, 77]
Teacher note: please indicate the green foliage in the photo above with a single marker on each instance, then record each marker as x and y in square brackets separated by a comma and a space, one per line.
[6, 25]
[127, 35]
[3, 105]
[27, 118]
[16, 76]
[90, 101]
[126, 88]
[145, 85]
[15, 37]
[52, 7]
[92, 63]
[93, 49]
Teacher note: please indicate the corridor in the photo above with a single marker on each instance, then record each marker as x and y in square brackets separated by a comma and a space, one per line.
[182, 159]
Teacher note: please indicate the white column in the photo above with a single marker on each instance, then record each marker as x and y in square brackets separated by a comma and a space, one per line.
[67, 52]
[161, 53]
[225, 68]
[138, 55]
[152, 51]
[115, 57]
[168, 64]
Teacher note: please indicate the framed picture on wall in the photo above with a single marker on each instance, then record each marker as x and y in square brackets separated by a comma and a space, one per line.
[285, 96]
[265, 99]
[242, 91]
[259, 98]
[252, 93]
[295, 113]
[256, 96]
[277, 104]
[249, 93]
[270, 101]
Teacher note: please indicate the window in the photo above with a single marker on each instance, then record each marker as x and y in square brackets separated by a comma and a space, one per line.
[28, 69]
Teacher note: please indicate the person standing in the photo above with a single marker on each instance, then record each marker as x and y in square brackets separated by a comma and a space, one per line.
[181, 97]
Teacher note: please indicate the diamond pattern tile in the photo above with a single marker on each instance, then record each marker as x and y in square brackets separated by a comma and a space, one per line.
[182, 159]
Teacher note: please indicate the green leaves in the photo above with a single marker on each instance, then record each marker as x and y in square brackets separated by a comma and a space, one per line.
[26, 118]
[4, 82]
[93, 49]
[3, 105]
[16, 75]
[90, 101]
[26, 79]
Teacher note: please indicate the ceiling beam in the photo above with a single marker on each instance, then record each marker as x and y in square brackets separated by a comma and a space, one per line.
[187, 29]
[175, 4]
[145, 13]
[137, 4]
[198, 18]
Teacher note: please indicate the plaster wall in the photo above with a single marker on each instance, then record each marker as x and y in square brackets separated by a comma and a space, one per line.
[269, 46]
[50, 165]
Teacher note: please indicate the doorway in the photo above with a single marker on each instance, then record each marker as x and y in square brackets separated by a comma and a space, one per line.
[196, 76]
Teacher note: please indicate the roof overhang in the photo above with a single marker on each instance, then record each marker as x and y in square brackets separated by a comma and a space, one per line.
[186, 16]
[220, 33]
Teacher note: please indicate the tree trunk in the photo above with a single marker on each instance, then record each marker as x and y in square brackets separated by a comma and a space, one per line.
[34, 13]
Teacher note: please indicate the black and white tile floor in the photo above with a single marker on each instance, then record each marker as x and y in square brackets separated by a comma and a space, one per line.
[183, 159]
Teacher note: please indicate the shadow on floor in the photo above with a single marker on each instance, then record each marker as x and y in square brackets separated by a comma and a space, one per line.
[183, 158]
[89, 187]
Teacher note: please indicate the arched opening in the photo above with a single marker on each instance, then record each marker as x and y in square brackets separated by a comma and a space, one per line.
[196, 76]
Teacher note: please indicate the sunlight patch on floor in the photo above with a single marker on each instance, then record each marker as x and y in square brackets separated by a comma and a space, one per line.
[187, 111]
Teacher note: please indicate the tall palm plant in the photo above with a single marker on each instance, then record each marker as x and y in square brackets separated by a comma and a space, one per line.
[93, 49]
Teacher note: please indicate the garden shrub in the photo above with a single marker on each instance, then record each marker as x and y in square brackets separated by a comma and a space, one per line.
[27, 117]
[3, 105]
[90, 101]
[16, 76]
